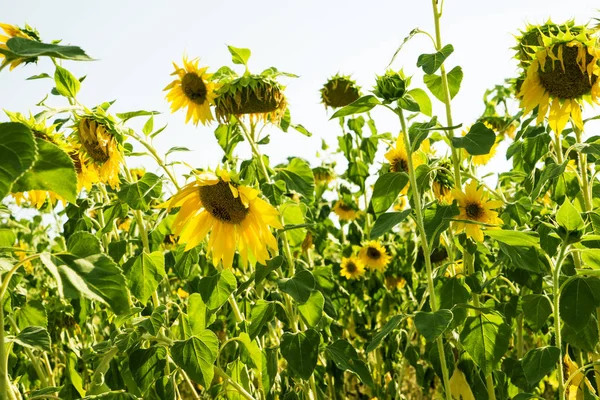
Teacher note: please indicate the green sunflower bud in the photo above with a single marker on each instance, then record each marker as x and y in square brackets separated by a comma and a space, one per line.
[391, 86]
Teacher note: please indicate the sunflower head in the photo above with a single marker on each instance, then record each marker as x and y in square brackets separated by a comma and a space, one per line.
[533, 37]
[339, 91]
[443, 181]
[345, 210]
[475, 209]
[193, 89]
[11, 31]
[352, 268]
[394, 282]
[323, 175]
[391, 86]
[258, 96]
[374, 256]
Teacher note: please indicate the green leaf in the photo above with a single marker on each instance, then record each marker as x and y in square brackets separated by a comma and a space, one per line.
[132, 114]
[95, 277]
[139, 195]
[386, 221]
[261, 314]
[215, 289]
[83, 244]
[18, 153]
[148, 126]
[515, 238]
[66, 84]
[147, 365]
[485, 337]
[32, 313]
[312, 310]
[30, 48]
[196, 356]
[345, 358]
[34, 337]
[577, 303]
[539, 362]
[298, 176]
[434, 83]
[185, 261]
[197, 312]
[433, 324]
[591, 258]
[302, 130]
[299, 287]
[7, 238]
[252, 349]
[420, 97]
[360, 105]
[239, 55]
[301, 350]
[144, 276]
[432, 62]
[228, 136]
[52, 171]
[478, 141]
[451, 293]
[568, 217]
[386, 330]
[437, 219]
[536, 310]
[386, 190]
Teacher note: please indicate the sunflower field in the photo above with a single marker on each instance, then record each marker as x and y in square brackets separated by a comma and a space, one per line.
[410, 274]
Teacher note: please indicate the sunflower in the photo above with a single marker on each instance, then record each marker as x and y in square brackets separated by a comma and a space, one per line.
[235, 216]
[474, 205]
[344, 211]
[339, 91]
[394, 282]
[352, 268]
[374, 256]
[193, 89]
[40, 130]
[12, 31]
[563, 73]
[398, 159]
[258, 96]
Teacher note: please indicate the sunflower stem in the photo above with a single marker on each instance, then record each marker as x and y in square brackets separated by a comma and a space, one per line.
[157, 158]
[240, 389]
[583, 169]
[556, 314]
[425, 245]
[558, 148]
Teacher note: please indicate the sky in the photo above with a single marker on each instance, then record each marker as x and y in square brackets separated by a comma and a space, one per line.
[135, 43]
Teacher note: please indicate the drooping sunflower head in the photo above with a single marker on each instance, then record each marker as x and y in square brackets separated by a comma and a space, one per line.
[475, 209]
[443, 181]
[193, 89]
[97, 153]
[323, 175]
[234, 215]
[259, 97]
[374, 256]
[532, 38]
[339, 91]
[564, 72]
[11, 31]
[391, 86]
[345, 210]
[352, 268]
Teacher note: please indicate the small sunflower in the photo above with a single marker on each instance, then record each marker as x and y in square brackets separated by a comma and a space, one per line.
[193, 89]
[12, 31]
[374, 256]
[352, 268]
[474, 205]
[344, 211]
[339, 91]
[394, 282]
[398, 159]
[323, 175]
[258, 96]
[235, 216]
[98, 155]
[563, 72]
[443, 182]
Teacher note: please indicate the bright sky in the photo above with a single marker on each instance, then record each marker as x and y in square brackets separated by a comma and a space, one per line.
[136, 41]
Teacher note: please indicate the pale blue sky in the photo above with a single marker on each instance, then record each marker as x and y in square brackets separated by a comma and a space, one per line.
[136, 41]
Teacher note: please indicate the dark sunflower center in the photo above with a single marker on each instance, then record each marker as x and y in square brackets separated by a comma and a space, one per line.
[345, 207]
[474, 211]
[571, 82]
[399, 165]
[373, 253]
[339, 93]
[194, 88]
[220, 203]
[351, 267]
[95, 149]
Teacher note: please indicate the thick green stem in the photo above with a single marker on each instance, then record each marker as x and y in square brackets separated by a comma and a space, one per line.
[425, 245]
[157, 158]
[556, 315]
[558, 148]
[583, 169]
[240, 389]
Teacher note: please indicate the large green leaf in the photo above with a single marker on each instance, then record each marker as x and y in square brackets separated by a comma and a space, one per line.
[32, 313]
[434, 83]
[386, 190]
[433, 324]
[197, 313]
[568, 217]
[261, 314]
[30, 48]
[387, 221]
[140, 194]
[215, 289]
[66, 84]
[386, 330]
[239, 55]
[18, 152]
[437, 219]
[361, 105]
[196, 356]
[147, 365]
[539, 362]
[312, 311]
[299, 286]
[144, 276]
[515, 238]
[185, 261]
[536, 310]
[301, 350]
[345, 358]
[451, 293]
[53, 171]
[83, 244]
[485, 337]
[432, 62]
[298, 176]
[228, 136]
[577, 303]
[34, 337]
[478, 141]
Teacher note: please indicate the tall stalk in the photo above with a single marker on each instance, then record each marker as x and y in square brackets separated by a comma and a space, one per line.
[556, 315]
[425, 245]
